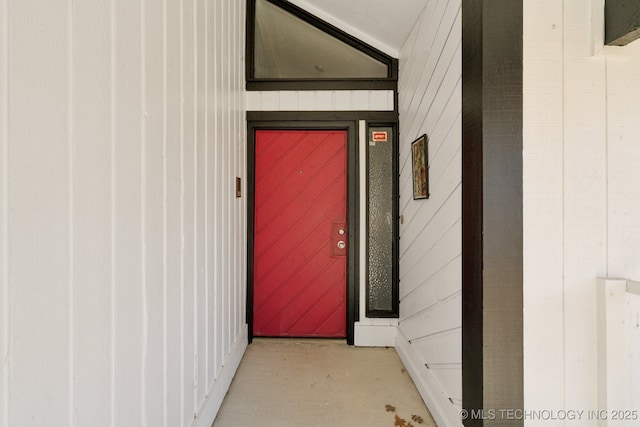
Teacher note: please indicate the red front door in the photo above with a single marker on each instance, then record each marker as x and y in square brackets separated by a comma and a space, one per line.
[300, 233]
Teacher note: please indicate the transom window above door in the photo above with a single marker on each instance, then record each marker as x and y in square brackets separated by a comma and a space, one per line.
[286, 43]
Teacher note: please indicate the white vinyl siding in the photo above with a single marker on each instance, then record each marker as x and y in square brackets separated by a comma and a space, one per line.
[581, 194]
[122, 267]
[337, 100]
[430, 101]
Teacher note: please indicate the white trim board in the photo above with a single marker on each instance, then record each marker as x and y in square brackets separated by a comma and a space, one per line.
[442, 410]
[211, 406]
[322, 100]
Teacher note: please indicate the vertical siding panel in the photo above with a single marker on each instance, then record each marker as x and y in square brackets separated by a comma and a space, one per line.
[232, 173]
[125, 257]
[218, 170]
[226, 143]
[92, 214]
[229, 334]
[210, 183]
[585, 253]
[543, 146]
[175, 383]
[241, 144]
[40, 214]
[128, 221]
[623, 95]
[5, 363]
[153, 210]
[201, 201]
[188, 206]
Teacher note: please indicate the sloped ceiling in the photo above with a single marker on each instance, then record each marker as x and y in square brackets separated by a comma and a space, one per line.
[384, 24]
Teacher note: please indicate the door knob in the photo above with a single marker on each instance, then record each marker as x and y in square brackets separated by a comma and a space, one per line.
[341, 244]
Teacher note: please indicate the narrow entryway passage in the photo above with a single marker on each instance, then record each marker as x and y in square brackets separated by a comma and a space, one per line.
[291, 382]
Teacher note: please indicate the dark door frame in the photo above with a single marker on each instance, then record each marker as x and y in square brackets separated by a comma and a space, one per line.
[351, 127]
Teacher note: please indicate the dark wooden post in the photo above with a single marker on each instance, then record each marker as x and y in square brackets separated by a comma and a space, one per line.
[492, 367]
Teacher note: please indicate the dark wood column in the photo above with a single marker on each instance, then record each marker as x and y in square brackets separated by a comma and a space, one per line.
[492, 372]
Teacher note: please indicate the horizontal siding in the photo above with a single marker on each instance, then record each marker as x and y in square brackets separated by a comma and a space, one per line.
[430, 235]
[121, 240]
[580, 194]
[342, 100]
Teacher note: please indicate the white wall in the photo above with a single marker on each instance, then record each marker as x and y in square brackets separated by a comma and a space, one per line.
[430, 97]
[122, 267]
[322, 100]
[581, 194]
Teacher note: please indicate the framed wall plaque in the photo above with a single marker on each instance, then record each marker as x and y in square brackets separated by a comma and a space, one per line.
[420, 162]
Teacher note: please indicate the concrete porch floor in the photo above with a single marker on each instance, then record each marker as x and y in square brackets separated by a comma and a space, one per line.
[294, 382]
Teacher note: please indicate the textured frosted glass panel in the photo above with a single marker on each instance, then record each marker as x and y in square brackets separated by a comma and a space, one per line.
[286, 47]
[380, 221]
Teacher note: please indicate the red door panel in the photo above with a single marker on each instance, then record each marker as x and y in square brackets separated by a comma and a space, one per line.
[300, 233]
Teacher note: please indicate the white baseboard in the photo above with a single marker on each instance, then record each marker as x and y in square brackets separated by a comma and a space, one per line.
[371, 335]
[211, 405]
[444, 413]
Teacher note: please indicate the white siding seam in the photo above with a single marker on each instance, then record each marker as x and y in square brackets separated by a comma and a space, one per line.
[435, 273]
[70, 206]
[205, 345]
[435, 334]
[427, 251]
[227, 238]
[435, 214]
[606, 166]
[216, 219]
[430, 307]
[564, 210]
[5, 354]
[182, 220]
[113, 196]
[143, 211]
[437, 62]
[165, 227]
[234, 128]
[406, 161]
[453, 122]
[427, 111]
[415, 68]
[196, 206]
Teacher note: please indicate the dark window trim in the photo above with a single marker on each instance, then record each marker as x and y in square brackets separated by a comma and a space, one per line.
[353, 277]
[297, 84]
[314, 116]
[329, 84]
[395, 274]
